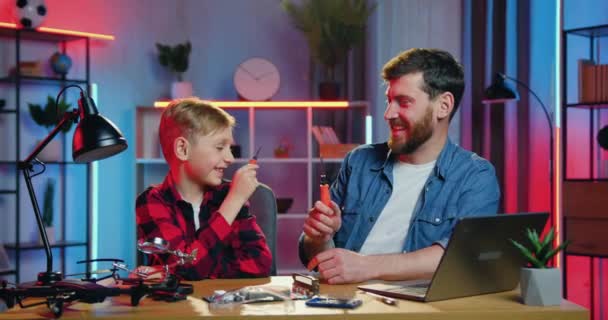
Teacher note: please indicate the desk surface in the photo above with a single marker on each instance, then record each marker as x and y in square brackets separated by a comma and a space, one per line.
[498, 306]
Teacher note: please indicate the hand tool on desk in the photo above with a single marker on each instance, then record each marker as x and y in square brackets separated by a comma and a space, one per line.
[383, 299]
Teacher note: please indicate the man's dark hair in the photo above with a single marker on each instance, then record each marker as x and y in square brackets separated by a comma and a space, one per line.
[440, 71]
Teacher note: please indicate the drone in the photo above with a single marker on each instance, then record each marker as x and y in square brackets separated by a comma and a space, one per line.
[89, 290]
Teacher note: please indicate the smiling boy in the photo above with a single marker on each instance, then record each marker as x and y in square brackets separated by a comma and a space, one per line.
[195, 208]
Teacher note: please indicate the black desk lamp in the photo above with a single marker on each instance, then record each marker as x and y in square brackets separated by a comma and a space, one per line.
[95, 138]
[500, 92]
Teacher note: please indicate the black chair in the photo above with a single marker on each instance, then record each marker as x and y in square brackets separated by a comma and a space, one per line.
[263, 205]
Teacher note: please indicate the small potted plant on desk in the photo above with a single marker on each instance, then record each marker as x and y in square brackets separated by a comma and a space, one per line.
[49, 117]
[541, 285]
[176, 60]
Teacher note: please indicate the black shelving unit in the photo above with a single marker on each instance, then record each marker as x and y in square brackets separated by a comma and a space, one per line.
[593, 183]
[17, 80]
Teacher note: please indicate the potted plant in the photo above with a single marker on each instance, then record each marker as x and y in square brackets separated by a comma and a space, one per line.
[48, 117]
[331, 29]
[541, 285]
[48, 210]
[176, 60]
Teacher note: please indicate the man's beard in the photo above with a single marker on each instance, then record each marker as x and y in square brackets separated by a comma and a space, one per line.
[419, 134]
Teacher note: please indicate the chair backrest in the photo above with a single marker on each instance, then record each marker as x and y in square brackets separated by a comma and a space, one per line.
[263, 205]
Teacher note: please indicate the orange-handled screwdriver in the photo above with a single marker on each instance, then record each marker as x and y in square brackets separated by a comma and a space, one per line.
[324, 187]
[254, 160]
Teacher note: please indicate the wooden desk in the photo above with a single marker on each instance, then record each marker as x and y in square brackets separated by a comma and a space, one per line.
[493, 306]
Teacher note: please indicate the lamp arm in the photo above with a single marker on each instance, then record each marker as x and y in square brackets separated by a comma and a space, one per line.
[546, 111]
[26, 167]
[68, 116]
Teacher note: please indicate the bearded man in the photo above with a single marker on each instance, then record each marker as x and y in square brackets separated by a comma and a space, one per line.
[395, 204]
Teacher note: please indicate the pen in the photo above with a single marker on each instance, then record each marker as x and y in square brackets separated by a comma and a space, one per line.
[254, 160]
[383, 299]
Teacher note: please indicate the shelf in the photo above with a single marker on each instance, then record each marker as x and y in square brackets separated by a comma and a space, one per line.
[4, 162]
[588, 105]
[8, 111]
[282, 160]
[599, 31]
[8, 191]
[33, 79]
[328, 160]
[36, 35]
[290, 271]
[4, 272]
[242, 160]
[585, 179]
[291, 216]
[36, 245]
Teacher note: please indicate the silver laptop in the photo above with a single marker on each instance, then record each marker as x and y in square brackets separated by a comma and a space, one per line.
[479, 259]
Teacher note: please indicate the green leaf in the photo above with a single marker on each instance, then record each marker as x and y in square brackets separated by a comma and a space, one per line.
[546, 244]
[331, 28]
[527, 254]
[50, 115]
[175, 58]
[553, 252]
[47, 204]
[533, 238]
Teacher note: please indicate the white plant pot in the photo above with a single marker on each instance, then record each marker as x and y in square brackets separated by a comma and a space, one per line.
[50, 235]
[181, 89]
[541, 287]
[52, 151]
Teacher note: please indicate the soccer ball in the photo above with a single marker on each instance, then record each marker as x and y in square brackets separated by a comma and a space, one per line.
[31, 13]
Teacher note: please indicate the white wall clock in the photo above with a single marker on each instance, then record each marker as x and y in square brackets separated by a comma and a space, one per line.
[257, 79]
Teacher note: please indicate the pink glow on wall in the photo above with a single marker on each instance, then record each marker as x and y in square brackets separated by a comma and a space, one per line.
[67, 15]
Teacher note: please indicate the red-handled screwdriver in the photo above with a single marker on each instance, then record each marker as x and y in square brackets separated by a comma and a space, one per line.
[324, 187]
[254, 160]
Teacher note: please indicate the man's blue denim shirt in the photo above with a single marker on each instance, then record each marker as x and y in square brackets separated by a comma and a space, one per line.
[461, 184]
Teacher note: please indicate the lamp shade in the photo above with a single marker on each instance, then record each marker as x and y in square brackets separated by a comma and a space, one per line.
[95, 137]
[499, 91]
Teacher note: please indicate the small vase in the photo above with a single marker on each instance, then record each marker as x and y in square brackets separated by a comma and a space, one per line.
[541, 287]
[329, 91]
[182, 89]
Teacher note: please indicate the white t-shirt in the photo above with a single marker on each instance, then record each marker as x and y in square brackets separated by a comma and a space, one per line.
[196, 208]
[389, 232]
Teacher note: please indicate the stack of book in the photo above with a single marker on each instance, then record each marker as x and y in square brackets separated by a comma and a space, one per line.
[592, 82]
[29, 68]
[329, 144]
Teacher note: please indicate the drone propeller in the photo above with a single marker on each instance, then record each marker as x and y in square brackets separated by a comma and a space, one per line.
[92, 272]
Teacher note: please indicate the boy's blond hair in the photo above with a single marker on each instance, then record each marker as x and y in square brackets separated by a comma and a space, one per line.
[190, 118]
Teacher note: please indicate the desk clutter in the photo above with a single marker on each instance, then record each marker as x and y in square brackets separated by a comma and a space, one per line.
[304, 287]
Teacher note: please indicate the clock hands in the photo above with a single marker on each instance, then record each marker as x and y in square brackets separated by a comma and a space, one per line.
[257, 78]
[264, 75]
[249, 72]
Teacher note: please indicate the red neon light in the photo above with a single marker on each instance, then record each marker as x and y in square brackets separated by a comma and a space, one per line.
[557, 210]
[271, 104]
[63, 31]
